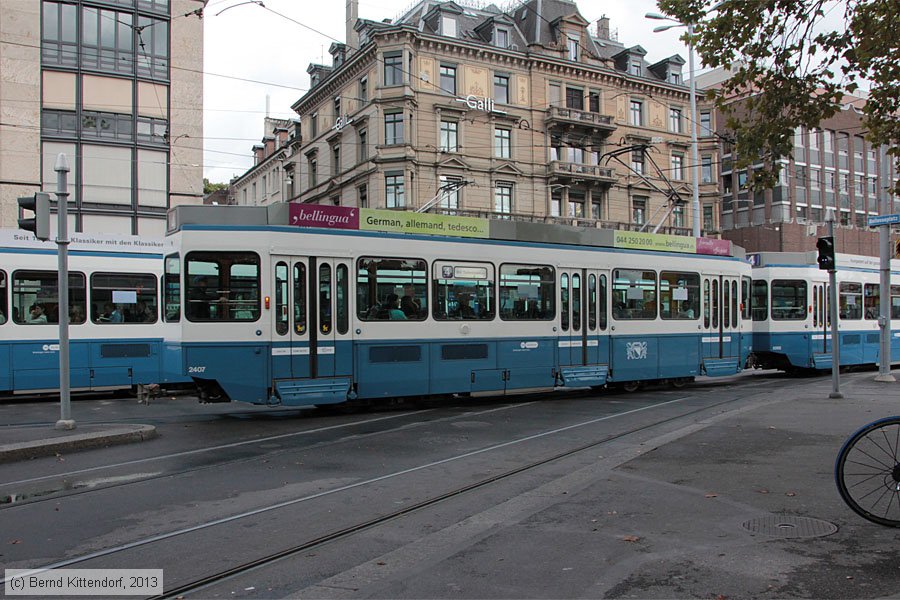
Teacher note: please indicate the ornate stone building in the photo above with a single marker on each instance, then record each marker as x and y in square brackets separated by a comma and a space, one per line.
[529, 113]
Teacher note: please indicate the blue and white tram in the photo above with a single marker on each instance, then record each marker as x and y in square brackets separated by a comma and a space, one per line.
[116, 334]
[300, 316]
[791, 322]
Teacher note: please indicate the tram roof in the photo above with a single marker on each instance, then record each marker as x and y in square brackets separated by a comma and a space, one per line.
[807, 259]
[277, 215]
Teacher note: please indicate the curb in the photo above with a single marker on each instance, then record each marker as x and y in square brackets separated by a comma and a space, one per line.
[78, 441]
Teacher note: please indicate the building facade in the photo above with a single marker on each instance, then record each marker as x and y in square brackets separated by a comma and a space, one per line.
[532, 113]
[831, 166]
[115, 85]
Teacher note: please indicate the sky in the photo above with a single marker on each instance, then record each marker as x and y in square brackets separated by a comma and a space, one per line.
[256, 56]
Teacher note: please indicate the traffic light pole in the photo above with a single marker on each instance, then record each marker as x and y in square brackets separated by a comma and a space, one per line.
[833, 316]
[62, 241]
[884, 318]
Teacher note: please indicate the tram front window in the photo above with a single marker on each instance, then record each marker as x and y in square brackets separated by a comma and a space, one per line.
[222, 286]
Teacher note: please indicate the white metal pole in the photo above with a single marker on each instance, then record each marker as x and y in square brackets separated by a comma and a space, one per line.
[695, 160]
[833, 314]
[884, 317]
[62, 242]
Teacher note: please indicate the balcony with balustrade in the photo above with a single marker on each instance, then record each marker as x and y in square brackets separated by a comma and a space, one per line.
[569, 172]
[582, 120]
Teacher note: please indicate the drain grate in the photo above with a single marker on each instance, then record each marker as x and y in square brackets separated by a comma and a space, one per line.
[787, 526]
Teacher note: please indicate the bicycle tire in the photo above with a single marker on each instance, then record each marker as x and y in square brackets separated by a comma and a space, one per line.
[867, 472]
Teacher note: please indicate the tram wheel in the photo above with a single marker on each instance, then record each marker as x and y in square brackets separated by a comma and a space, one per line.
[631, 386]
[680, 382]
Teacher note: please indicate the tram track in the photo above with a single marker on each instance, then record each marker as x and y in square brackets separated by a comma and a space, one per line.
[349, 530]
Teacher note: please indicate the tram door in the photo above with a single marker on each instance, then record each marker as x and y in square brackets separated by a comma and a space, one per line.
[821, 319]
[583, 338]
[721, 322]
[311, 317]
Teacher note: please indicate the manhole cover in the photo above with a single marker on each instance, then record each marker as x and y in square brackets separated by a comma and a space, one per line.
[787, 526]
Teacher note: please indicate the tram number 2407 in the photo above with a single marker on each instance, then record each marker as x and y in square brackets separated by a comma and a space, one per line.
[196, 369]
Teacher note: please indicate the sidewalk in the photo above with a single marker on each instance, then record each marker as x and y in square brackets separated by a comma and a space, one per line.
[24, 443]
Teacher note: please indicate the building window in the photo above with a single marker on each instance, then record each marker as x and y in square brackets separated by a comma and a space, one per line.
[153, 131]
[502, 148]
[449, 189]
[675, 120]
[594, 101]
[675, 77]
[449, 136]
[678, 216]
[635, 68]
[829, 181]
[448, 79]
[596, 207]
[313, 175]
[153, 57]
[501, 38]
[678, 167]
[828, 139]
[363, 89]
[363, 145]
[501, 89]
[844, 179]
[555, 94]
[313, 125]
[109, 126]
[707, 218]
[335, 159]
[393, 68]
[503, 198]
[59, 45]
[107, 39]
[362, 193]
[637, 161]
[393, 185]
[815, 179]
[572, 46]
[813, 139]
[638, 210]
[706, 168]
[576, 205]
[636, 113]
[705, 123]
[575, 98]
[448, 26]
[393, 128]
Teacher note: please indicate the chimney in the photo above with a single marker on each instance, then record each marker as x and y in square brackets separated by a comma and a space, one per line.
[352, 38]
[603, 28]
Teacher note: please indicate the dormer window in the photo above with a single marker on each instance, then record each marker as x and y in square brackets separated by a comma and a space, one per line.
[675, 77]
[314, 79]
[501, 38]
[448, 26]
[572, 45]
[635, 68]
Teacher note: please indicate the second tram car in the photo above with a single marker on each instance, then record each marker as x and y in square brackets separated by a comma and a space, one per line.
[117, 336]
[300, 316]
[791, 318]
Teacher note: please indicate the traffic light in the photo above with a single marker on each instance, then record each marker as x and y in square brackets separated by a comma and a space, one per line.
[39, 204]
[826, 253]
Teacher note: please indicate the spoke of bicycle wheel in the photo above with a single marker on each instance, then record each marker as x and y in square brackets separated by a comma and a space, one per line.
[885, 465]
[893, 447]
[862, 481]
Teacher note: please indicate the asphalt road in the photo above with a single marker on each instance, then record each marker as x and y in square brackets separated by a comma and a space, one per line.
[565, 495]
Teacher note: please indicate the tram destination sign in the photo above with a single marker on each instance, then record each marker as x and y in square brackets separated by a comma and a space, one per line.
[883, 220]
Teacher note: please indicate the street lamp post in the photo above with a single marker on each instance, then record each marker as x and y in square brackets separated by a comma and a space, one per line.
[695, 160]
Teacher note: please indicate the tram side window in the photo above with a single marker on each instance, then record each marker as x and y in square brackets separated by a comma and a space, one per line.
[679, 295]
[527, 292]
[463, 291]
[759, 300]
[3, 311]
[172, 289]
[35, 297]
[602, 306]
[634, 294]
[872, 300]
[222, 286]
[895, 301]
[391, 289]
[850, 303]
[789, 299]
[123, 298]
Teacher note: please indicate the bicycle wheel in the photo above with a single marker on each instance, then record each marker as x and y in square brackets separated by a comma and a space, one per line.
[867, 472]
